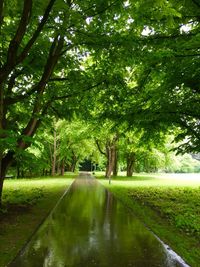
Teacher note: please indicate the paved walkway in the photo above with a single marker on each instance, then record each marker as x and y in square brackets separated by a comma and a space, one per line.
[90, 228]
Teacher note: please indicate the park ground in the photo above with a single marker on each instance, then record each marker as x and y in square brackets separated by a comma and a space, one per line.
[168, 204]
[27, 202]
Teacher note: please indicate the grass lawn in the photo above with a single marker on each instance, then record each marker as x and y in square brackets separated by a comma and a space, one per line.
[26, 203]
[169, 205]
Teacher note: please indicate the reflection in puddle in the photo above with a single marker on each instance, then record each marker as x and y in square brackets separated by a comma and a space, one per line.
[90, 228]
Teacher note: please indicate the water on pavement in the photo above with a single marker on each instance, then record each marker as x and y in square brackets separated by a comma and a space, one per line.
[90, 228]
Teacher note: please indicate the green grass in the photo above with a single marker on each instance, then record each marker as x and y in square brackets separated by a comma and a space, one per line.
[26, 203]
[169, 205]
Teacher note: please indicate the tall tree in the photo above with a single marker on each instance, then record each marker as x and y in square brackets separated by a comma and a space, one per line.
[42, 47]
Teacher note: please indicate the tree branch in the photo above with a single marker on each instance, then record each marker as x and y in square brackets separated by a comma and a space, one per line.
[54, 54]
[30, 43]
[189, 55]
[55, 111]
[175, 36]
[99, 148]
[1, 12]
[196, 3]
[15, 42]
[18, 98]
[189, 129]
[32, 127]
[58, 79]
[11, 81]
[39, 111]
[102, 10]
[53, 57]
[78, 93]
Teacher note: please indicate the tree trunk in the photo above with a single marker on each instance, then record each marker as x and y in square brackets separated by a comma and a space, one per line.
[58, 170]
[130, 164]
[110, 160]
[115, 168]
[74, 161]
[18, 170]
[63, 167]
[74, 165]
[111, 150]
[53, 170]
[4, 164]
[1, 188]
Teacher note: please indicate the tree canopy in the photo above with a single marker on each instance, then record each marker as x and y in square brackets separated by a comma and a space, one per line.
[132, 62]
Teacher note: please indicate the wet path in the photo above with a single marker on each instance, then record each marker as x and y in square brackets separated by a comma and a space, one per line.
[90, 228]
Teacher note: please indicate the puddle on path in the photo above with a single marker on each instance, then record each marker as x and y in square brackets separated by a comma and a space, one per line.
[90, 228]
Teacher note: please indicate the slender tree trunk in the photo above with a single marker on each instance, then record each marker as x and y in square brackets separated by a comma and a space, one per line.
[63, 167]
[111, 150]
[58, 170]
[115, 167]
[74, 165]
[110, 161]
[54, 155]
[67, 167]
[2, 175]
[1, 189]
[130, 164]
[18, 170]
[74, 161]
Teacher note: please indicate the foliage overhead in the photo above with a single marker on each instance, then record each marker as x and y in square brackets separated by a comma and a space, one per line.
[134, 62]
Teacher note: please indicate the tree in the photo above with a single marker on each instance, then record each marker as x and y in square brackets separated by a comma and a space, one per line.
[160, 89]
[106, 138]
[36, 41]
[121, 56]
[75, 143]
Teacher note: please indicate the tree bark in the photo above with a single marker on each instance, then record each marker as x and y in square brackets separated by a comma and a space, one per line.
[110, 160]
[1, 12]
[130, 164]
[73, 168]
[115, 168]
[34, 122]
[111, 150]
[18, 170]
[53, 170]
[1, 188]
[4, 164]
[63, 167]
[58, 169]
